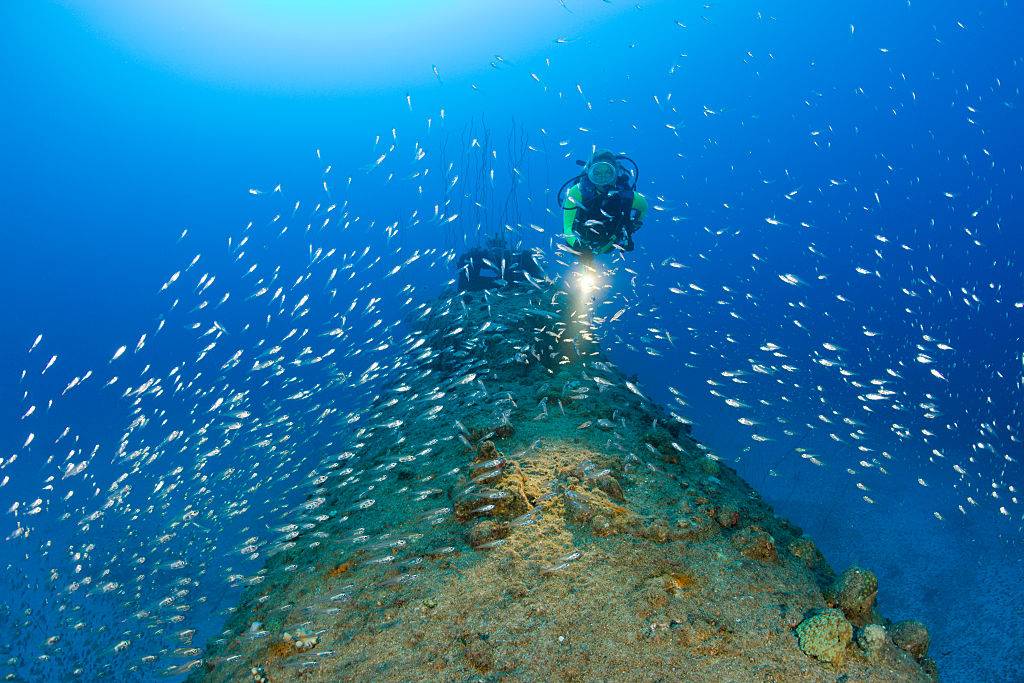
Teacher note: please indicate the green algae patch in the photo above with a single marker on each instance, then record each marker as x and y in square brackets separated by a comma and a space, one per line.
[825, 635]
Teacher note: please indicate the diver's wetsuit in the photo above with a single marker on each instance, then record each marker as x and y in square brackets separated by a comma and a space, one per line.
[593, 221]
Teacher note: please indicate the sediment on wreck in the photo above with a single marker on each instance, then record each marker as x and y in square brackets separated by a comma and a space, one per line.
[512, 507]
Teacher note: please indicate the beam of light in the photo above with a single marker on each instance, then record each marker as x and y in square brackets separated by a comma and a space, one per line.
[330, 44]
[583, 283]
[587, 283]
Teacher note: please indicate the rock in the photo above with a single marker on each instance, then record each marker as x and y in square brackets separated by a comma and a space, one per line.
[660, 440]
[871, 639]
[504, 431]
[486, 475]
[709, 466]
[911, 637]
[611, 486]
[487, 451]
[497, 497]
[855, 594]
[930, 668]
[489, 502]
[302, 639]
[601, 526]
[654, 593]
[679, 582]
[580, 471]
[465, 507]
[756, 544]
[825, 635]
[727, 517]
[805, 549]
[791, 616]
[485, 532]
[516, 590]
[480, 656]
[694, 527]
[656, 531]
[577, 509]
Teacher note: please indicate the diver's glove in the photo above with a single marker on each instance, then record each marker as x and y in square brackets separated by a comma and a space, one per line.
[581, 244]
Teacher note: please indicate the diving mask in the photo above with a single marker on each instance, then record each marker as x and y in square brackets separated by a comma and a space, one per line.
[602, 173]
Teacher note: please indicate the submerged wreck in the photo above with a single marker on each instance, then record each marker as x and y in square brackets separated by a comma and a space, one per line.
[513, 507]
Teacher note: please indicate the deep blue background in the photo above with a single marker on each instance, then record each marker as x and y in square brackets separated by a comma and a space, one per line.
[108, 153]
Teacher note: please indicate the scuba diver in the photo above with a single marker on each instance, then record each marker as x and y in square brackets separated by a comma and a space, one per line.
[602, 209]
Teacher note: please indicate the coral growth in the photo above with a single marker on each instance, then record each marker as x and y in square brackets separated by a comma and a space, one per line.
[756, 544]
[825, 635]
[485, 533]
[871, 640]
[855, 593]
[805, 549]
[302, 639]
[911, 637]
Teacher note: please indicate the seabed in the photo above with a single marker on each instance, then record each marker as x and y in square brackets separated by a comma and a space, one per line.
[524, 513]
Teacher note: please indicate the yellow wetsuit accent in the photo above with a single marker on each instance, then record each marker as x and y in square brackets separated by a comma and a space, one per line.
[574, 199]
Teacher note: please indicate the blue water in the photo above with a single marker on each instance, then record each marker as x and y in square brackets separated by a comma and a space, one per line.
[788, 139]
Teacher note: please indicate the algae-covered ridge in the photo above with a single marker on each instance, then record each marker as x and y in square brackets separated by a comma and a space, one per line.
[513, 507]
